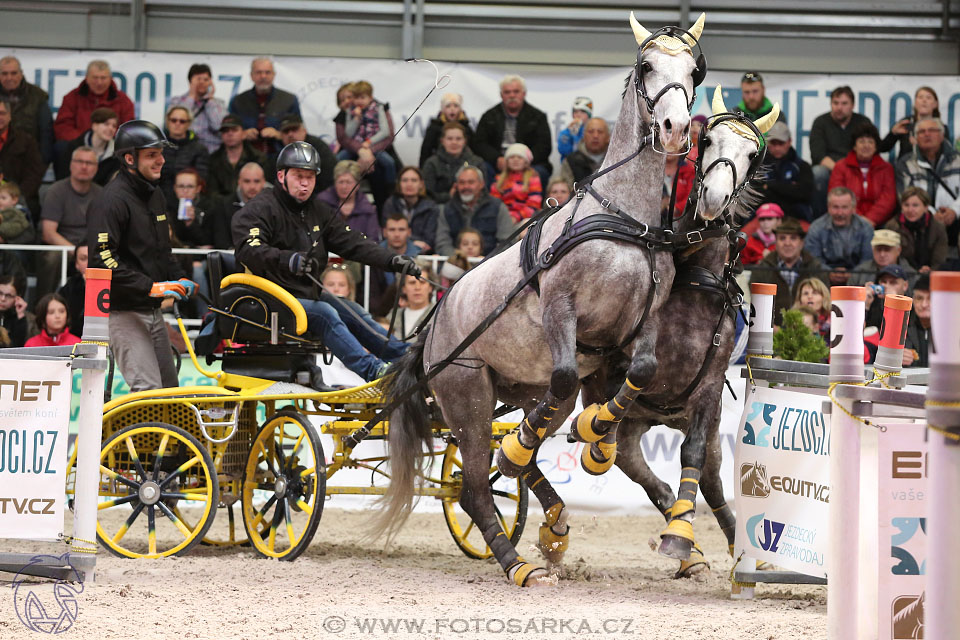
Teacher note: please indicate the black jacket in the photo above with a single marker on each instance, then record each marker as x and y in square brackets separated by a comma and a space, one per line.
[431, 137]
[128, 232]
[789, 183]
[188, 153]
[222, 176]
[272, 227]
[31, 114]
[422, 218]
[532, 130]
[20, 162]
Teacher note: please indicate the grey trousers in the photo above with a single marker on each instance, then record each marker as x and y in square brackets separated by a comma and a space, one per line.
[142, 349]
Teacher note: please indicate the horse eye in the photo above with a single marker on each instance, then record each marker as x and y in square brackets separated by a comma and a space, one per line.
[646, 68]
[753, 155]
[706, 142]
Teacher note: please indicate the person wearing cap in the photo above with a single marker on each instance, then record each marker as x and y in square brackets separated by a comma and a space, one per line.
[590, 152]
[292, 129]
[185, 152]
[518, 185]
[754, 103]
[869, 176]
[262, 107]
[787, 265]
[789, 178]
[284, 235]
[764, 239]
[886, 250]
[513, 120]
[917, 345]
[233, 154]
[128, 233]
[206, 110]
[451, 110]
[568, 140]
[923, 238]
[891, 279]
[840, 240]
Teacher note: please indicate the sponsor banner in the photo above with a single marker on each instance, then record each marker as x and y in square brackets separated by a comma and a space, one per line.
[152, 78]
[902, 484]
[34, 412]
[782, 482]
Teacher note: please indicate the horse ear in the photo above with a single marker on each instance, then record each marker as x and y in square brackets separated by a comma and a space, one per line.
[695, 31]
[766, 122]
[718, 106]
[639, 32]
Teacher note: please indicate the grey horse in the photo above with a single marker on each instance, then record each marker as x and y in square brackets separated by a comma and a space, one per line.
[528, 356]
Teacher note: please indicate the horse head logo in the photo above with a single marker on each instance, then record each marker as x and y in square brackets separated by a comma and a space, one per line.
[753, 480]
[44, 609]
[908, 618]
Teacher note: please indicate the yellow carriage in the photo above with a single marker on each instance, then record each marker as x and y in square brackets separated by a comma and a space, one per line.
[172, 458]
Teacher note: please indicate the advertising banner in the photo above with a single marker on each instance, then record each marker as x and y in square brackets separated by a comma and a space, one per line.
[782, 480]
[34, 414]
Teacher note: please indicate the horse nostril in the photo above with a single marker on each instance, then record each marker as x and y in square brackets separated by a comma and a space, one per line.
[668, 125]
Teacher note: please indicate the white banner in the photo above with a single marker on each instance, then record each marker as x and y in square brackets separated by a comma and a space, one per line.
[783, 480]
[34, 417]
[903, 530]
[152, 78]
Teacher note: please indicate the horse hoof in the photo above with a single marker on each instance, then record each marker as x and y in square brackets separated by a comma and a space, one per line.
[694, 565]
[529, 575]
[512, 456]
[675, 547]
[597, 458]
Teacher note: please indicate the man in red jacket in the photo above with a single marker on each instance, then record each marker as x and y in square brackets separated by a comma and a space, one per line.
[97, 90]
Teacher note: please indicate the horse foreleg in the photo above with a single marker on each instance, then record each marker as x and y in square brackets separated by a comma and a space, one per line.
[711, 486]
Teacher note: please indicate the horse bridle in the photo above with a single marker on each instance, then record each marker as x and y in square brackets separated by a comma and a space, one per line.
[699, 72]
[704, 142]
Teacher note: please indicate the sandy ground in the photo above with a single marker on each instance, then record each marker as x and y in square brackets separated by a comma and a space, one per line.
[613, 586]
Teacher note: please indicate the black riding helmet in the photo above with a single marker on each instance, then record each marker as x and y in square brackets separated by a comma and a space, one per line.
[138, 134]
[299, 155]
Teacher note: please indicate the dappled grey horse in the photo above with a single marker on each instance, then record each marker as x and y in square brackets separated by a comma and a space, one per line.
[589, 294]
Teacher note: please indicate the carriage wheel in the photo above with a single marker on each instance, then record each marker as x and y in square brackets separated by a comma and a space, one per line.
[284, 484]
[510, 496]
[150, 472]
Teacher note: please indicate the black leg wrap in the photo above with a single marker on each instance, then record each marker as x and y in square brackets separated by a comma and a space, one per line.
[499, 543]
[727, 522]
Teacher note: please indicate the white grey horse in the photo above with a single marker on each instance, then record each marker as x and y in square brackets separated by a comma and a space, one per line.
[593, 295]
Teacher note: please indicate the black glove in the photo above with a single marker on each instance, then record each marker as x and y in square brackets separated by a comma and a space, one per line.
[301, 264]
[399, 263]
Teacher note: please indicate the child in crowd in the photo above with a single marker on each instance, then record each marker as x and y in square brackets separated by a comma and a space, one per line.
[810, 319]
[569, 138]
[14, 317]
[345, 104]
[560, 190]
[367, 124]
[15, 227]
[53, 318]
[338, 280]
[469, 245]
[518, 186]
[764, 238]
[813, 294]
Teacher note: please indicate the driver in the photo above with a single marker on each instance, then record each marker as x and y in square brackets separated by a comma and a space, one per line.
[273, 235]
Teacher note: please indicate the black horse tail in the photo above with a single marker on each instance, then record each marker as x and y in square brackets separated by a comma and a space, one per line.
[409, 431]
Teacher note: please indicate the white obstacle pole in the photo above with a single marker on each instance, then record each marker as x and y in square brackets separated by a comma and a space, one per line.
[942, 607]
[846, 365]
[87, 482]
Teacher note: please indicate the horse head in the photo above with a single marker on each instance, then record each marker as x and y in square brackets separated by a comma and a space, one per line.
[731, 151]
[666, 75]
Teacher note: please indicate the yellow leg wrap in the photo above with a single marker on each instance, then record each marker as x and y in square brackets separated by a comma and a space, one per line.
[696, 559]
[606, 415]
[514, 450]
[681, 507]
[730, 550]
[551, 543]
[553, 514]
[593, 467]
[522, 572]
[679, 528]
[585, 430]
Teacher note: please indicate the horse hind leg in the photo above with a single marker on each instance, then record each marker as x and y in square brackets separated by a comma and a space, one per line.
[711, 486]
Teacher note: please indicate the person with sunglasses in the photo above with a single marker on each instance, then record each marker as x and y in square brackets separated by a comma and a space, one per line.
[754, 103]
[187, 152]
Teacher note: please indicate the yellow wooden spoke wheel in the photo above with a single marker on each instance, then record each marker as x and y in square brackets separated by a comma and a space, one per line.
[284, 484]
[510, 497]
[149, 473]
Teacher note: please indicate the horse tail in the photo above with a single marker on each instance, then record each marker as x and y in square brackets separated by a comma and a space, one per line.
[409, 430]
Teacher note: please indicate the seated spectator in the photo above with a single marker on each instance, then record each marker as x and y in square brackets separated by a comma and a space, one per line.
[346, 198]
[923, 238]
[831, 140]
[233, 154]
[685, 173]
[396, 238]
[513, 120]
[420, 211]
[926, 104]
[754, 103]
[97, 90]
[367, 137]
[345, 104]
[187, 152]
[53, 320]
[518, 185]
[440, 170]
[415, 302]
[20, 159]
[789, 179]
[15, 226]
[14, 317]
[840, 240]
[934, 167]
[103, 128]
[589, 154]
[568, 140]
[251, 182]
[810, 319]
[917, 345]
[338, 280]
[869, 176]
[451, 110]
[74, 289]
[787, 266]
[31, 106]
[560, 190]
[187, 212]
[10, 265]
[469, 245]
[813, 294]
[472, 206]
[892, 279]
[763, 240]
[207, 111]
[292, 129]
[64, 218]
[262, 108]
[886, 251]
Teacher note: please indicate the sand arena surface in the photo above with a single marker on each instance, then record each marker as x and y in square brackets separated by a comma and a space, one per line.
[613, 586]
